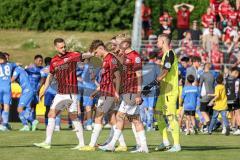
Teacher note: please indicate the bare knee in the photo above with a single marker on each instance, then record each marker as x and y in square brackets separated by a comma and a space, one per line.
[52, 113]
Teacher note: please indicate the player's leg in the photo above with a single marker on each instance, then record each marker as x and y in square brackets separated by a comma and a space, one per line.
[120, 117]
[140, 133]
[188, 120]
[48, 99]
[58, 123]
[60, 102]
[225, 122]
[24, 108]
[171, 111]
[237, 115]
[213, 121]
[150, 113]
[6, 101]
[88, 102]
[113, 121]
[103, 107]
[193, 121]
[204, 108]
[32, 118]
[180, 118]
[73, 114]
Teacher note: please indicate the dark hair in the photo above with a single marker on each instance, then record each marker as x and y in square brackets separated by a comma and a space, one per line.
[152, 55]
[38, 56]
[190, 78]
[47, 60]
[58, 40]
[185, 59]
[196, 59]
[6, 54]
[219, 79]
[234, 69]
[95, 44]
[2, 56]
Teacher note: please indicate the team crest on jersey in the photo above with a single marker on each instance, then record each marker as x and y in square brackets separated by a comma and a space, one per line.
[127, 61]
[167, 65]
[114, 61]
[138, 60]
[65, 59]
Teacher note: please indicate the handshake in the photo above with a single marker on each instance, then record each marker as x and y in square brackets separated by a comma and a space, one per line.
[147, 89]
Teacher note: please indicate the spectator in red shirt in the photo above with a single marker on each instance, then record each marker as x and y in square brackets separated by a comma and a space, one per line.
[214, 4]
[226, 37]
[165, 18]
[146, 15]
[223, 9]
[183, 11]
[216, 57]
[208, 18]
[233, 16]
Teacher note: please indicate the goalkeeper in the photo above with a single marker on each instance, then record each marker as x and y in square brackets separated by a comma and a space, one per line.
[168, 94]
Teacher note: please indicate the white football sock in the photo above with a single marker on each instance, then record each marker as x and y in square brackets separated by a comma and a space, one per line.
[121, 139]
[143, 140]
[110, 135]
[79, 132]
[117, 134]
[136, 135]
[49, 130]
[95, 134]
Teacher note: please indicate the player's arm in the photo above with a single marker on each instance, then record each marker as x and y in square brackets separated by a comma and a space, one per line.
[191, 7]
[167, 65]
[15, 75]
[117, 83]
[47, 84]
[176, 7]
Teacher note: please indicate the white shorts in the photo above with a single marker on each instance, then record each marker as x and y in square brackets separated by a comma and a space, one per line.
[63, 101]
[128, 109]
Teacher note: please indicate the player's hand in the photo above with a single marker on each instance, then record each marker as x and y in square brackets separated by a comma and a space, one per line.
[94, 94]
[138, 100]
[116, 97]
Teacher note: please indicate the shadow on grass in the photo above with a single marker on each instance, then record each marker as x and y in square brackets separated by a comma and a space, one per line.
[200, 148]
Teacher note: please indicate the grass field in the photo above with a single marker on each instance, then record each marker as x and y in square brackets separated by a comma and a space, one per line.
[13, 41]
[18, 146]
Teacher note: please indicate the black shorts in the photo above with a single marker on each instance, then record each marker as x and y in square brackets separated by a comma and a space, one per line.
[233, 106]
[145, 24]
[204, 107]
[190, 113]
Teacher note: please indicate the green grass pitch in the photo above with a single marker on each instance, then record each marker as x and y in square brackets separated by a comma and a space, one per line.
[18, 146]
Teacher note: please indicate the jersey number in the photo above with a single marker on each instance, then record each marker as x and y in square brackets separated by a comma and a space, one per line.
[5, 72]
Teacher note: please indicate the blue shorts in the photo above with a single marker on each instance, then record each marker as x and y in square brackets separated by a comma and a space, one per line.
[5, 96]
[26, 98]
[149, 102]
[48, 98]
[87, 101]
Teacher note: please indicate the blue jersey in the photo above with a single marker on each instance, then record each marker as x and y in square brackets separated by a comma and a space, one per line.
[53, 84]
[34, 76]
[22, 78]
[6, 70]
[190, 96]
[87, 75]
[183, 71]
